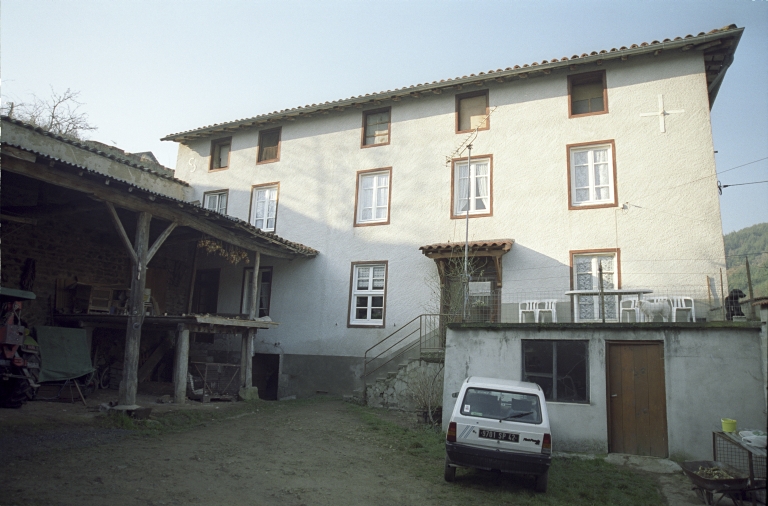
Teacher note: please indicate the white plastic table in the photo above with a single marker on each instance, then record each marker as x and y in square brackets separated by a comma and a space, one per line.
[620, 292]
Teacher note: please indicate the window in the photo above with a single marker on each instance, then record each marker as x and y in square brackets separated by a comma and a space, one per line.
[472, 112]
[269, 145]
[367, 294]
[264, 206]
[501, 405]
[586, 268]
[472, 187]
[376, 125]
[587, 94]
[216, 201]
[592, 175]
[560, 368]
[372, 199]
[265, 290]
[220, 153]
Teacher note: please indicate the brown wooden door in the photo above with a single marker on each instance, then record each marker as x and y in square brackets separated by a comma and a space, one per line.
[637, 408]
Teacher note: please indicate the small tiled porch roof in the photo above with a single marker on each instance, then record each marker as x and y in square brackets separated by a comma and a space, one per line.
[495, 247]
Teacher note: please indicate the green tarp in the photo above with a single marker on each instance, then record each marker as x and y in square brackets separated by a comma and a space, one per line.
[64, 353]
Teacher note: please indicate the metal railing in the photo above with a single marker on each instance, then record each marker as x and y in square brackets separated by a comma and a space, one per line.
[425, 333]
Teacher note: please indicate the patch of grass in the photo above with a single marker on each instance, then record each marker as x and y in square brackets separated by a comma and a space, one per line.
[186, 419]
[572, 482]
[178, 420]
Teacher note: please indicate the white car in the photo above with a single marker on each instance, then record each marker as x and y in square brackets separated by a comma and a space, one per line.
[502, 425]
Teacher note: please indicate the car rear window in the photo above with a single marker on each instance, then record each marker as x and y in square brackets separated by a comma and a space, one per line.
[501, 405]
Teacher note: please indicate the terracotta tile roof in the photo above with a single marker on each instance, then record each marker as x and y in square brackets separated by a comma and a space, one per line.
[712, 43]
[474, 246]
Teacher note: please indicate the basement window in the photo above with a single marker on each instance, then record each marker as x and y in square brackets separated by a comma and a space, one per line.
[560, 368]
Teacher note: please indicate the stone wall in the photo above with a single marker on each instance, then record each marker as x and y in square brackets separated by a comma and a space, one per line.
[71, 250]
[61, 249]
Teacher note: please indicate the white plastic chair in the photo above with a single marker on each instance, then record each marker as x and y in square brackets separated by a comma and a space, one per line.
[529, 306]
[681, 304]
[549, 305]
[629, 304]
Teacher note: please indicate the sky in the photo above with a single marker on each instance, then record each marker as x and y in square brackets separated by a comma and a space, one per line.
[145, 69]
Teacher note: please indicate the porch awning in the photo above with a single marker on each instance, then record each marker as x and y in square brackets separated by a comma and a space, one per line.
[490, 248]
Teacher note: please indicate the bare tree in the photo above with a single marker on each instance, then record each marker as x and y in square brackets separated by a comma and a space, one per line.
[58, 114]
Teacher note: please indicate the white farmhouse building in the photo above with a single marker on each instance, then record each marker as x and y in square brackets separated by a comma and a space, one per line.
[601, 159]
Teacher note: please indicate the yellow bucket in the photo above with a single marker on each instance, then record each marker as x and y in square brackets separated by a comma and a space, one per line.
[728, 425]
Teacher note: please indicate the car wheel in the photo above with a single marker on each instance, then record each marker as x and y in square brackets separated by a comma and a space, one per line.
[450, 471]
[541, 481]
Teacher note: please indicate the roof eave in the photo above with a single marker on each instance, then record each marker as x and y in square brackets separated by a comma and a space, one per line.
[685, 44]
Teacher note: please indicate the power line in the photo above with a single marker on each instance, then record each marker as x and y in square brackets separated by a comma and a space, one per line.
[744, 165]
[742, 184]
[711, 175]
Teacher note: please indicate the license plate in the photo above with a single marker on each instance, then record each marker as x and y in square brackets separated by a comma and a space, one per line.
[501, 436]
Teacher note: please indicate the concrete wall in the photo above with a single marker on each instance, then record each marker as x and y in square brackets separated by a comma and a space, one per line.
[711, 371]
[308, 375]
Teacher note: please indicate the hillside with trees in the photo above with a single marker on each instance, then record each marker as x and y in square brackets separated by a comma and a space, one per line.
[752, 243]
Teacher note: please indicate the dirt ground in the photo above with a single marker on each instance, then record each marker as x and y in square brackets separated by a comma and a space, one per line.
[302, 454]
[287, 453]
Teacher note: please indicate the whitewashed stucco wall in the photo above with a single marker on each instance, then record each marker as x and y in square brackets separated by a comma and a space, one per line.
[711, 372]
[673, 240]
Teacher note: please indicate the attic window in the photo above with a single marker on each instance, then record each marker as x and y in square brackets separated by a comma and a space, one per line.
[587, 94]
[376, 125]
[472, 112]
[220, 149]
[269, 145]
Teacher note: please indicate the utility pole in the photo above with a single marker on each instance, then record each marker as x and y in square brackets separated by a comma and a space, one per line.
[466, 233]
[751, 294]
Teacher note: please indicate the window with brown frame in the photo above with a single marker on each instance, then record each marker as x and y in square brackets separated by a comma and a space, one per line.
[373, 196]
[216, 201]
[265, 290]
[367, 294]
[269, 145]
[220, 149]
[592, 175]
[472, 187]
[585, 268]
[376, 127]
[587, 94]
[472, 111]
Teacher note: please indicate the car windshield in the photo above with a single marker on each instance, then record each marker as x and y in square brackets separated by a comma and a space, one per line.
[501, 405]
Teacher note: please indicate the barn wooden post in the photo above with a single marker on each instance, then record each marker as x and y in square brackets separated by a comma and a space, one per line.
[181, 364]
[253, 309]
[246, 358]
[129, 384]
[246, 354]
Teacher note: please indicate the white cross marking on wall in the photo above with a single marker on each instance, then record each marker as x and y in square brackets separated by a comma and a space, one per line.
[661, 114]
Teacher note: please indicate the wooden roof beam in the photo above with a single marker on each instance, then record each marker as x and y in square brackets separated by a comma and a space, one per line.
[136, 203]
